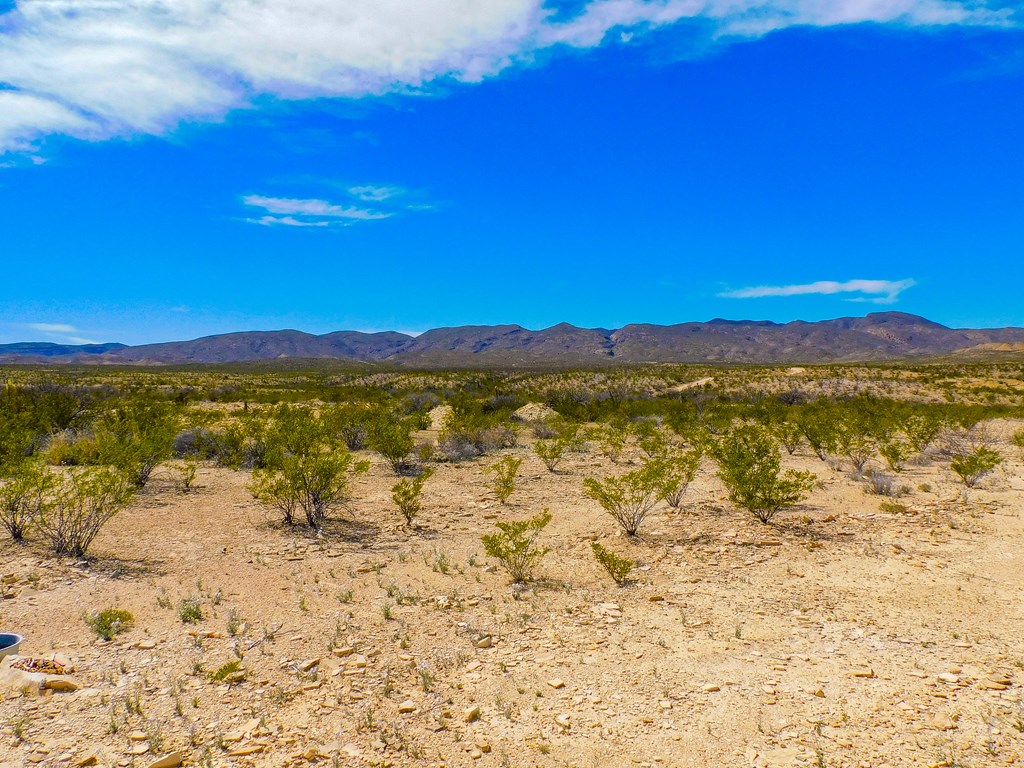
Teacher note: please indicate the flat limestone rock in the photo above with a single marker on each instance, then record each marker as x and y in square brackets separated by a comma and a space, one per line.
[33, 682]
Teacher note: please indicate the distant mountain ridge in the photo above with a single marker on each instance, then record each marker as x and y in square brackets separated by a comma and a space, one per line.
[877, 337]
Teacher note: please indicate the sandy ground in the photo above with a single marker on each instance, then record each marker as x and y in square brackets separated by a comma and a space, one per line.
[842, 636]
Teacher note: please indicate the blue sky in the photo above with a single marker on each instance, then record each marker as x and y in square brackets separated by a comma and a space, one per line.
[167, 176]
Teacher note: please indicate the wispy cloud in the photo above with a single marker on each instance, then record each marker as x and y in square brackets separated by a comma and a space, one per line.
[97, 69]
[63, 332]
[874, 291]
[371, 193]
[52, 327]
[296, 212]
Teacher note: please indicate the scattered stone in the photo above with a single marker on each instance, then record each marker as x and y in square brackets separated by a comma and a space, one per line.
[407, 706]
[471, 714]
[556, 683]
[172, 760]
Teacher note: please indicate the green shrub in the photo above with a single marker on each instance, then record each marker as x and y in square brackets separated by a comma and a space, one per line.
[750, 466]
[190, 610]
[316, 483]
[25, 496]
[514, 546]
[136, 435]
[680, 469]
[973, 466]
[406, 494]
[630, 497]
[393, 440]
[113, 621]
[617, 567]
[504, 471]
[82, 503]
[223, 671]
[895, 451]
[1018, 439]
[552, 450]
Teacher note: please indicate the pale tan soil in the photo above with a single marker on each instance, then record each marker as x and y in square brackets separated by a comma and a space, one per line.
[738, 645]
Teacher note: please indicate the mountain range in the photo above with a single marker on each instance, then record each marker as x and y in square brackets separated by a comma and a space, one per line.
[877, 337]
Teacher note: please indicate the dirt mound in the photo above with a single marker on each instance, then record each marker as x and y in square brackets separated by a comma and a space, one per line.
[535, 412]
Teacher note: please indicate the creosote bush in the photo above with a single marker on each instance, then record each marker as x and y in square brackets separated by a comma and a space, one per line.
[976, 464]
[514, 546]
[617, 567]
[680, 469]
[751, 468]
[106, 624]
[504, 471]
[630, 497]
[406, 494]
[81, 505]
[25, 496]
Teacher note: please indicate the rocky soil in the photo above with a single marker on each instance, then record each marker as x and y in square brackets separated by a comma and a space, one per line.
[844, 635]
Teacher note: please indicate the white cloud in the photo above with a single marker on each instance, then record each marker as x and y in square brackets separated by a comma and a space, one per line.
[371, 193]
[96, 69]
[874, 291]
[62, 332]
[52, 327]
[294, 212]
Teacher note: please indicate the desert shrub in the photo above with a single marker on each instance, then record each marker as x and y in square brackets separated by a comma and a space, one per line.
[856, 446]
[70, 449]
[817, 422]
[81, 505]
[406, 495]
[504, 471]
[196, 443]
[921, 429]
[789, 434]
[611, 440]
[976, 464]
[136, 435]
[316, 483]
[883, 484]
[543, 429]
[186, 475]
[514, 546]
[352, 424]
[1018, 439]
[651, 438]
[25, 495]
[190, 610]
[751, 468]
[896, 452]
[552, 450]
[106, 624]
[617, 567]
[680, 469]
[630, 497]
[470, 430]
[392, 439]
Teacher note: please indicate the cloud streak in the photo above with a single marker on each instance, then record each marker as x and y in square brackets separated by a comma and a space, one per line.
[60, 331]
[98, 69]
[296, 212]
[873, 291]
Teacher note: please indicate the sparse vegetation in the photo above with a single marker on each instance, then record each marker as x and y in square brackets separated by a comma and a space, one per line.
[514, 546]
[504, 471]
[406, 494]
[630, 497]
[110, 622]
[617, 567]
[750, 466]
